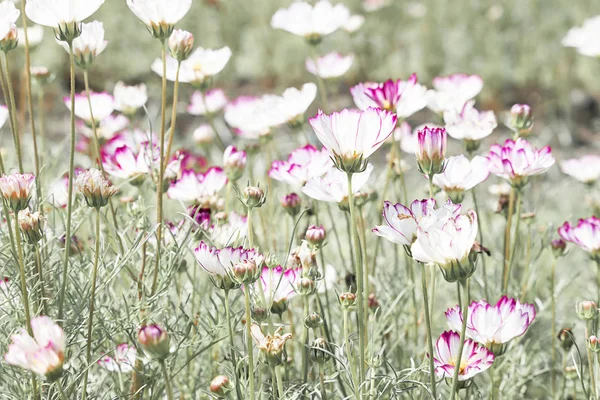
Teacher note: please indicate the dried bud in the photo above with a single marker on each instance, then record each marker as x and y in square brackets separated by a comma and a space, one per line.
[348, 299]
[220, 386]
[316, 235]
[320, 351]
[154, 341]
[559, 247]
[586, 310]
[521, 119]
[291, 203]
[181, 44]
[313, 320]
[30, 224]
[307, 286]
[254, 196]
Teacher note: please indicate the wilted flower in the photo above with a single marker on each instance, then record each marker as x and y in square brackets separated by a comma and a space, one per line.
[44, 353]
[88, 45]
[220, 385]
[312, 23]
[402, 97]
[520, 119]
[469, 124]
[331, 65]
[585, 169]
[431, 154]
[474, 358]
[192, 186]
[586, 310]
[585, 235]
[103, 105]
[234, 162]
[272, 346]
[353, 136]
[333, 186]
[181, 44]
[215, 101]
[301, 165]
[16, 190]
[201, 65]
[124, 360]
[584, 38]
[219, 263]
[154, 341]
[494, 326]
[461, 174]
[129, 99]
[518, 160]
[320, 351]
[95, 188]
[160, 16]
[31, 225]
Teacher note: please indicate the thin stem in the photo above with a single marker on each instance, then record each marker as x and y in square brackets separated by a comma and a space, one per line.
[63, 287]
[349, 357]
[88, 347]
[61, 390]
[428, 324]
[161, 171]
[232, 345]
[279, 381]
[507, 231]
[305, 349]
[13, 112]
[515, 241]
[173, 114]
[211, 121]
[598, 278]
[355, 243]
[590, 358]
[431, 186]
[553, 328]
[249, 343]
[168, 387]
[250, 232]
[320, 82]
[483, 271]
[38, 262]
[322, 381]
[465, 316]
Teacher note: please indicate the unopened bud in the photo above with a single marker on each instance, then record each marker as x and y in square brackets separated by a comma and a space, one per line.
[313, 321]
[291, 203]
[559, 247]
[259, 314]
[316, 235]
[279, 307]
[594, 344]
[181, 44]
[565, 337]
[42, 75]
[306, 286]
[154, 341]
[246, 272]
[373, 302]
[586, 310]
[348, 299]
[11, 40]
[253, 196]
[520, 120]
[30, 224]
[220, 386]
[320, 351]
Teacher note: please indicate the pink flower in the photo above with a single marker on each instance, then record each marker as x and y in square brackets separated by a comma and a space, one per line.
[518, 160]
[103, 105]
[333, 186]
[453, 91]
[474, 359]
[278, 285]
[353, 136]
[125, 163]
[133, 139]
[403, 97]
[461, 174]
[585, 169]
[232, 230]
[468, 123]
[215, 101]
[44, 353]
[494, 325]
[331, 65]
[432, 150]
[194, 186]
[234, 162]
[123, 361]
[17, 189]
[219, 262]
[585, 235]
[301, 165]
[155, 341]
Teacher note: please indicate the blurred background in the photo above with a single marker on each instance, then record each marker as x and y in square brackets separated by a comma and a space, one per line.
[515, 45]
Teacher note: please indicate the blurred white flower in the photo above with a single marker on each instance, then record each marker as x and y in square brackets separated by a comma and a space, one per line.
[354, 23]
[35, 35]
[374, 5]
[301, 165]
[462, 174]
[295, 102]
[331, 65]
[123, 361]
[88, 45]
[215, 101]
[585, 38]
[102, 105]
[225, 233]
[129, 99]
[469, 123]
[8, 16]
[311, 22]
[453, 91]
[254, 117]
[3, 115]
[160, 16]
[203, 134]
[201, 65]
[58, 192]
[333, 186]
[585, 169]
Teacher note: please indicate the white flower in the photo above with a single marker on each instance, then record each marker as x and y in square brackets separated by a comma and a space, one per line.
[194, 186]
[333, 186]
[61, 14]
[35, 35]
[160, 16]
[354, 23]
[128, 99]
[374, 5]
[453, 91]
[585, 169]
[8, 17]
[295, 102]
[462, 174]
[107, 128]
[254, 117]
[58, 192]
[3, 115]
[102, 105]
[302, 19]
[88, 45]
[231, 231]
[301, 165]
[202, 64]
[123, 361]
[331, 65]
[468, 123]
[585, 38]
[203, 134]
[125, 163]
[215, 101]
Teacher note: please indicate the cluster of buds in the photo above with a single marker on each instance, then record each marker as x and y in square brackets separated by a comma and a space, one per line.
[95, 188]
[271, 346]
[154, 341]
[320, 351]
[220, 386]
[291, 203]
[520, 120]
[586, 310]
[253, 197]
[431, 153]
[181, 44]
[234, 163]
[30, 224]
[16, 190]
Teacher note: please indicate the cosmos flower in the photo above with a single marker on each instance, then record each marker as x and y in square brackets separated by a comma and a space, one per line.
[474, 359]
[35, 35]
[88, 45]
[129, 99]
[106, 129]
[375, 5]
[584, 38]
[193, 186]
[219, 262]
[586, 234]
[494, 326]
[585, 169]
[103, 105]
[230, 230]
[516, 161]
[333, 186]
[44, 353]
[254, 117]
[17, 189]
[94, 187]
[278, 284]
[203, 134]
[461, 174]
[58, 192]
[123, 361]
[126, 163]
[295, 102]
[453, 91]
[302, 165]
[215, 101]
[311, 22]
[201, 65]
[8, 17]
[331, 65]
[354, 23]
[468, 123]
[160, 16]
[431, 154]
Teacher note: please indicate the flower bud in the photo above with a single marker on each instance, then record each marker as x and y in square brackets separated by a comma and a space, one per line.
[521, 119]
[565, 337]
[559, 247]
[594, 344]
[220, 386]
[313, 39]
[30, 224]
[315, 235]
[291, 203]
[254, 196]
[246, 272]
[313, 321]
[348, 299]
[95, 189]
[181, 44]
[373, 302]
[306, 286]
[68, 31]
[154, 341]
[16, 190]
[75, 244]
[10, 41]
[259, 314]
[320, 351]
[431, 153]
[42, 75]
[586, 310]
[161, 30]
[234, 163]
[201, 215]
[279, 307]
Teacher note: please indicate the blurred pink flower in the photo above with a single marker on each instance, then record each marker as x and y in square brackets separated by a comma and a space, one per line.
[586, 234]
[215, 101]
[124, 360]
[469, 123]
[453, 91]
[585, 169]
[193, 186]
[301, 165]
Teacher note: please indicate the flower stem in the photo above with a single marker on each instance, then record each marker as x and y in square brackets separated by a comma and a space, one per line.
[322, 381]
[349, 357]
[88, 347]
[507, 231]
[249, 342]
[465, 316]
[161, 171]
[211, 121]
[250, 233]
[553, 328]
[63, 396]
[428, 324]
[483, 271]
[515, 241]
[38, 262]
[590, 358]
[320, 82]
[61, 300]
[359, 281]
[232, 345]
[13, 112]
[168, 387]
[305, 348]
[173, 115]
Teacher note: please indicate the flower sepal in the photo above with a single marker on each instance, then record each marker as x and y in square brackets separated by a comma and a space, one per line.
[459, 271]
[68, 31]
[354, 164]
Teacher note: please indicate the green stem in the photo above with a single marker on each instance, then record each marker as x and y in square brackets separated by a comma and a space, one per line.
[507, 232]
[428, 325]
[63, 287]
[349, 357]
[173, 115]
[515, 241]
[211, 121]
[88, 347]
[168, 387]
[232, 345]
[322, 381]
[250, 233]
[38, 262]
[553, 328]
[484, 270]
[465, 316]
[590, 358]
[249, 342]
[305, 349]
[13, 112]
[61, 390]
[359, 281]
